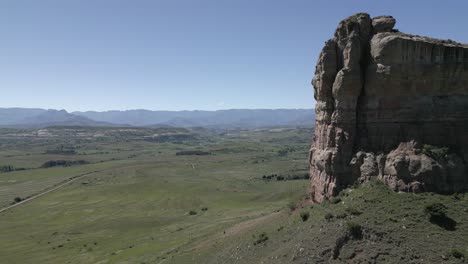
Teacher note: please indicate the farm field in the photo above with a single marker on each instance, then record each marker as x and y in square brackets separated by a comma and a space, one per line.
[147, 199]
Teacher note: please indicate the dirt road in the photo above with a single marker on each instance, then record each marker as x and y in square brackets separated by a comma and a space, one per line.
[46, 191]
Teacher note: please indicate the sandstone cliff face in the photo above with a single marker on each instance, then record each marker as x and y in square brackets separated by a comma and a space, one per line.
[390, 106]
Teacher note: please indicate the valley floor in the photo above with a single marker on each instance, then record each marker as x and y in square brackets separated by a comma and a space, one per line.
[143, 203]
[242, 200]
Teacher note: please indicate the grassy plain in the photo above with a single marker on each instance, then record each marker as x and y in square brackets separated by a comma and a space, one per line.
[135, 207]
[145, 204]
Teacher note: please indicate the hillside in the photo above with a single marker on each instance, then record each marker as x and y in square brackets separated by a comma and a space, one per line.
[367, 224]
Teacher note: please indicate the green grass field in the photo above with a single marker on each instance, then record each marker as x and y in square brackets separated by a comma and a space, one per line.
[135, 208]
[145, 204]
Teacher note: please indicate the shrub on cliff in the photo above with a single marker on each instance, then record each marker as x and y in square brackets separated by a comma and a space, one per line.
[434, 152]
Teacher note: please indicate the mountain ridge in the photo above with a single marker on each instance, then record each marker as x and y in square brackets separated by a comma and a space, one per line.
[229, 118]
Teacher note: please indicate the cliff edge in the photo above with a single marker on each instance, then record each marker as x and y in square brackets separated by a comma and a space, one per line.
[390, 106]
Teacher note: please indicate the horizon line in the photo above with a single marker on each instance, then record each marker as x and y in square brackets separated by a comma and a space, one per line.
[152, 110]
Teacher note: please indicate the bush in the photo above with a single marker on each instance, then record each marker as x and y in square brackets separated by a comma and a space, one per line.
[18, 199]
[458, 196]
[457, 254]
[64, 163]
[437, 213]
[436, 210]
[341, 215]
[434, 152]
[355, 185]
[353, 211]
[7, 168]
[192, 152]
[335, 200]
[354, 230]
[304, 216]
[204, 209]
[328, 216]
[292, 206]
[262, 238]
[191, 212]
[62, 150]
[282, 152]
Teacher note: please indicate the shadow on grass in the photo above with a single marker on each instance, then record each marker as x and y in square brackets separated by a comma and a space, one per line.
[444, 221]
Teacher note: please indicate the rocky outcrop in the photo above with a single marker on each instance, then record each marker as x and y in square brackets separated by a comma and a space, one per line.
[384, 100]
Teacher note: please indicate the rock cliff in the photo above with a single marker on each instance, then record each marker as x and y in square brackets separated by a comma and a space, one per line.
[389, 106]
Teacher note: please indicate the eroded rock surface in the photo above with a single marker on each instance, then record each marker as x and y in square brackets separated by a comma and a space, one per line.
[381, 97]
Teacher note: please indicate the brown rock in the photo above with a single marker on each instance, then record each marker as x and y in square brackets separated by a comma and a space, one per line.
[416, 171]
[339, 66]
[383, 24]
[376, 88]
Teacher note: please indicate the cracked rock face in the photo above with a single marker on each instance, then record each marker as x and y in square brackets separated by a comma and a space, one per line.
[376, 88]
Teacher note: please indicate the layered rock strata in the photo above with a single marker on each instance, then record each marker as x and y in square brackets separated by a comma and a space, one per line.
[390, 106]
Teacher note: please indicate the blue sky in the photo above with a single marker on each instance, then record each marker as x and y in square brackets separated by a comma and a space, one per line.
[184, 54]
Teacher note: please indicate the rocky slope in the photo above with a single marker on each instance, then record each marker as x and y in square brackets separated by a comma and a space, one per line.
[390, 106]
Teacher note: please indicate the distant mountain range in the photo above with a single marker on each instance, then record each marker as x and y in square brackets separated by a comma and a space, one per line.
[36, 118]
[235, 118]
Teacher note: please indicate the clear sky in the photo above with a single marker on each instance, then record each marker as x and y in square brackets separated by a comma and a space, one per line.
[184, 54]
